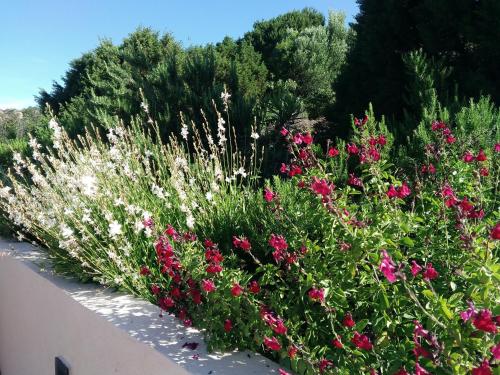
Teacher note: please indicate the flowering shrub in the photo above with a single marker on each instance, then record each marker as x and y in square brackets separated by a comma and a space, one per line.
[344, 264]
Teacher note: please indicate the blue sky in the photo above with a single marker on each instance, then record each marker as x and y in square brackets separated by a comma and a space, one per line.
[39, 38]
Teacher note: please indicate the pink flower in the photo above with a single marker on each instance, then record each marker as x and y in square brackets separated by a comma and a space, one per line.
[272, 343]
[483, 369]
[431, 169]
[324, 364]
[495, 232]
[322, 187]
[483, 321]
[228, 325]
[187, 322]
[469, 313]
[236, 290]
[495, 350]
[278, 242]
[268, 195]
[332, 152]
[468, 157]
[362, 341]
[392, 192]
[481, 156]
[297, 139]
[450, 139]
[430, 273]
[278, 326]
[284, 132]
[496, 148]
[387, 267]
[283, 372]
[208, 285]
[415, 268]
[254, 287]
[316, 294]
[348, 321]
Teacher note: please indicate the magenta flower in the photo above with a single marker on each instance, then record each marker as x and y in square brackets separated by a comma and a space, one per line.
[404, 191]
[483, 321]
[392, 192]
[483, 369]
[495, 350]
[362, 341]
[278, 242]
[430, 273]
[415, 268]
[324, 364]
[495, 232]
[387, 267]
[468, 157]
[269, 195]
[236, 290]
[316, 294]
[332, 152]
[322, 187]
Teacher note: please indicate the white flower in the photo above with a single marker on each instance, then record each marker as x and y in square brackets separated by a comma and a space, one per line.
[254, 135]
[190, 221]
[4, 192]
[89, 185]
[66, 231]
[184, 131]
[119, 202]
[209, 196]
[145, 107]
[115, 229]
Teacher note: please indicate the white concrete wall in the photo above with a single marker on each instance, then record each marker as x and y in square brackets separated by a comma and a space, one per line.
[96, 331]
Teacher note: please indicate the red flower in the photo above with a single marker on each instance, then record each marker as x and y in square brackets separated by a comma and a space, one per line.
[272, 343]
[322, 187]
[208, 285]
[268, 195]
[401, 371]
[307, 138]
[404, 191]
[170, 231]
[155, 289]
[144, 271]
[332, 152]
[483, 369]
[360, 122]
[214, 268]
[187, 322]
[362, 341]
[495, 232]
[484, 172]
[278, 242]
[284, 132]
[292, 351]
[438, 125]
[354, 181]
[387, 267]
[348, 321]
[392, 192]
[430, 273]
[431, 169]
[254, 287]
[228, 325]
[468, 157]
[242, 243]
[294, 170]
[450, 139]
[465, 205]
[236, 290]
[278, 326]
[381, 140]
[317, 294]
[352, 149]
[337, 343]
[324, 364]
[415, 268]
[481, 156]
[484, 322]
[166, 303]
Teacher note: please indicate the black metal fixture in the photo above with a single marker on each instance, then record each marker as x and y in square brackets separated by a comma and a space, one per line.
[61, 367]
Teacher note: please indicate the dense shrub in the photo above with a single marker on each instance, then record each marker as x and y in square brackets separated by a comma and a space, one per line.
[345, 264]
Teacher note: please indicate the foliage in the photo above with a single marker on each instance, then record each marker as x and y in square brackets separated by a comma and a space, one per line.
[344, 265]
